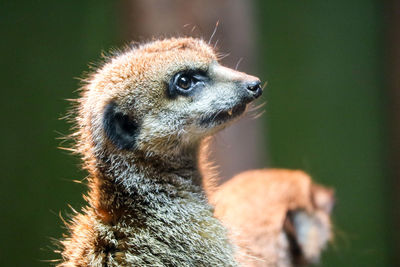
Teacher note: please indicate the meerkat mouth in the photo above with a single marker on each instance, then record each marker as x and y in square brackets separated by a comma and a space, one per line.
[224, 115]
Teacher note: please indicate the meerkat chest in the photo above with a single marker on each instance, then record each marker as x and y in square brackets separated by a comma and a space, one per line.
[184, 234]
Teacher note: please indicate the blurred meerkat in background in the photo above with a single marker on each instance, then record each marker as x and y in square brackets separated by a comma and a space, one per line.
[277, 217]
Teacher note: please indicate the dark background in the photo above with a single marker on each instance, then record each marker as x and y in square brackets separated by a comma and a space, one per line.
[332, 106]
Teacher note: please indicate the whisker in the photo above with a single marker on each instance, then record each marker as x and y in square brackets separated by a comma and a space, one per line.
[254, 111]
[215, 30]
[238, 63]
[216, 114]
[256, 115]
[264, 85]
[255, 108]
[215, 45]
[222, 56]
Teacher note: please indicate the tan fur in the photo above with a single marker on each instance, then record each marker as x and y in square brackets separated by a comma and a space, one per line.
[271, 212]
[146, 204]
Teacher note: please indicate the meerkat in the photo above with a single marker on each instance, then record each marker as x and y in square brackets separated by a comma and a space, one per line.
[277, 217]
[141, 121]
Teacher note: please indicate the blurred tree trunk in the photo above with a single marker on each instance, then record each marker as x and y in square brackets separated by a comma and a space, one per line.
[240, 146]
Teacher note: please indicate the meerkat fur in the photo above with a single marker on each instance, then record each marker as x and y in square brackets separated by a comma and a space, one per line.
[141, 121]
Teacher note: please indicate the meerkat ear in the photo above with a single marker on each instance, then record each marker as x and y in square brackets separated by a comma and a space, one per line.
[119, 127]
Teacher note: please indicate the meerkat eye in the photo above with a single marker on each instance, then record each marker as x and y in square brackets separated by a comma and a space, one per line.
[184, 82]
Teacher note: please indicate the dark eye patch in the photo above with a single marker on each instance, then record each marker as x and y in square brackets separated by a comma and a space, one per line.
[186, 82]
[119, 127]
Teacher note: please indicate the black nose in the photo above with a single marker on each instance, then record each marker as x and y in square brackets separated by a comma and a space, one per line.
[255, 88]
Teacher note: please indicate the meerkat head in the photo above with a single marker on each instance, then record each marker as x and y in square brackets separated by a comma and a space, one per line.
[162, 97]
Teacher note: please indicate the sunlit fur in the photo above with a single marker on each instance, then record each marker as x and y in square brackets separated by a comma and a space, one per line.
[278, 217]
[146, 205]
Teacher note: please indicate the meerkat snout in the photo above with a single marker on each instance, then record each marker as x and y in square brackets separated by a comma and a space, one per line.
[249, 86]
[255, 87]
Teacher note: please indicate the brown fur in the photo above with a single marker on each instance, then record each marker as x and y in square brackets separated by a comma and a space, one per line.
[146, 204]
[277, 217]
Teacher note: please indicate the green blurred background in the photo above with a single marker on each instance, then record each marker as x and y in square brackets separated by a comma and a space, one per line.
[329, 109]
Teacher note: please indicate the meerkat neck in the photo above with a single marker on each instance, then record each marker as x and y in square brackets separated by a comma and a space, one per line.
[138, 180]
